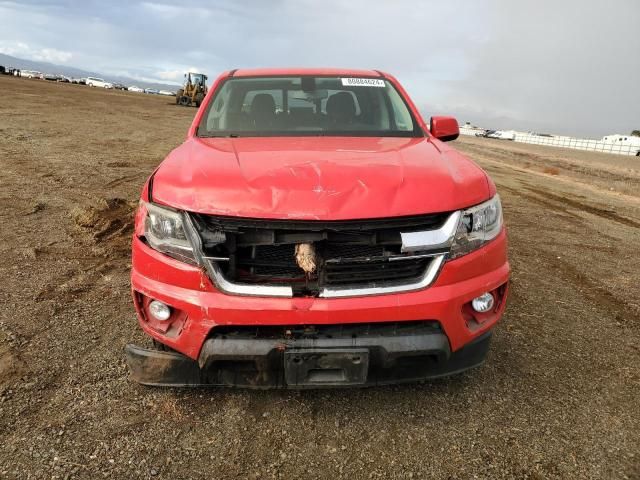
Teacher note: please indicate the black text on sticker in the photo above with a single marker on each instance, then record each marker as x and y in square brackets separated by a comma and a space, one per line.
[362, 82]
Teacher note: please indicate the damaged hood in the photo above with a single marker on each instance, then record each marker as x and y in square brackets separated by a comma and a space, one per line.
[322, 178]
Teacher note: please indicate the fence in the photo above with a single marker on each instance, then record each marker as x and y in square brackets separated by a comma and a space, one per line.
[568, 142]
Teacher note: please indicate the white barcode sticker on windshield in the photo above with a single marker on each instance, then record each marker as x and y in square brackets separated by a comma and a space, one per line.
[362, 82]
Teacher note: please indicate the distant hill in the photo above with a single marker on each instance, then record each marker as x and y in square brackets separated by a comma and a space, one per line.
[46, 67]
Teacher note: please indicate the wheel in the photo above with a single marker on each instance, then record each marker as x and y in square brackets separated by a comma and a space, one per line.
[185, 101]
[178, 95]
[199, 99]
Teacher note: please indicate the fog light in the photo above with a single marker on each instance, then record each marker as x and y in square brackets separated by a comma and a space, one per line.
[483, 303]
[159, 310]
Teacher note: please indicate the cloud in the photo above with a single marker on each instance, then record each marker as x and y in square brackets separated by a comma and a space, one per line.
[23, 50]
[176, 75]
[172, 75]
[163, 9]
[176, 11]
[52, 55]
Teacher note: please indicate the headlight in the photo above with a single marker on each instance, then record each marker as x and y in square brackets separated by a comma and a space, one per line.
[164, 231]
[477, 226]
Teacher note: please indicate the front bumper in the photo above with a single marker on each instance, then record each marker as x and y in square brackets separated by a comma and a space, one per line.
[201, 310]
[395, 359]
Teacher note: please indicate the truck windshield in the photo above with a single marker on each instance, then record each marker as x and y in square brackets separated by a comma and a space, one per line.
[307, 106]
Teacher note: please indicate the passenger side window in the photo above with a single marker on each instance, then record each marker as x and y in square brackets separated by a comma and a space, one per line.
[401, 116]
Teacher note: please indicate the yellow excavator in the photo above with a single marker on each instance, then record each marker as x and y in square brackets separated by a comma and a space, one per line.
[193, 91]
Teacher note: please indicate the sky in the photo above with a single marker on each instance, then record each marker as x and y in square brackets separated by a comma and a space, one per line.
[565, 67]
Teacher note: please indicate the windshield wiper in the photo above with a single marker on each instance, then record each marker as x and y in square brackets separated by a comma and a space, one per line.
[213, 135]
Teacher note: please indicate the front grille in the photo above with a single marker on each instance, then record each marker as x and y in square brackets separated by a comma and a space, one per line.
[335, 331]
[419, 222]
[375, 271]
[345, 250]
[268, 261]
[358, 253]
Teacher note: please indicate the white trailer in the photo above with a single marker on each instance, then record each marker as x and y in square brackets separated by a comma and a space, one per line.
[618, 139]
[623, 140]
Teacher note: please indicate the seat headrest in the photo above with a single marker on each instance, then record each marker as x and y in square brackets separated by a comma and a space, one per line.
[263, 104]
[341, 106]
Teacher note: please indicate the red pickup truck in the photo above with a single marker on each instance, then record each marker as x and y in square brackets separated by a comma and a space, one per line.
[313, 231]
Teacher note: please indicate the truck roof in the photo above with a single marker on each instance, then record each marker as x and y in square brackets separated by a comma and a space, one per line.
[268, 72]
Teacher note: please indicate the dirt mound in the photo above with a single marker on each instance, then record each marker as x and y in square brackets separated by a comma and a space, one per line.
[109, 219]
[118, 164]
[10, 365]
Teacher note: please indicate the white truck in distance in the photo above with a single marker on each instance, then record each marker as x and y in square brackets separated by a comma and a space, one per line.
[503, 135]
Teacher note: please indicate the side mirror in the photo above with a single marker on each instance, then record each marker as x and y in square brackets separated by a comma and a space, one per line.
[444, 128]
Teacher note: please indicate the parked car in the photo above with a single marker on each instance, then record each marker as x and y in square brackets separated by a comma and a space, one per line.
[314, 231]
[31, 74]
[98, 82]
[152, 91]
[133, 88]
[119, 86]
[167, 93]
[51, 77]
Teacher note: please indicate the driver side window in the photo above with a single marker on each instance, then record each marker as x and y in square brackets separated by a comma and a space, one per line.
[217, 115]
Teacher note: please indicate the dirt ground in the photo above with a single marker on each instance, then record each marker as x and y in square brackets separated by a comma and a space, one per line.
[557, 398]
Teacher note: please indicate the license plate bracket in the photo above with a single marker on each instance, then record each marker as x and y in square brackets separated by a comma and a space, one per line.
[326, 366]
